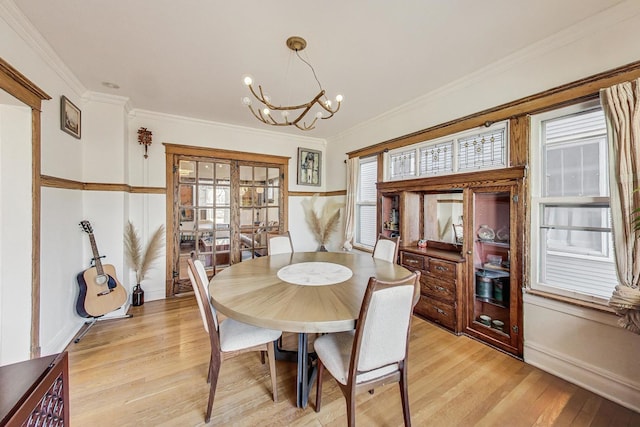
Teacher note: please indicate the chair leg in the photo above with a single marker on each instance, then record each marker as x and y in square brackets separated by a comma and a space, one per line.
[351, 408]
[404, 394]
[214, 372]
[271, 354]
[262, 357]
[319, 385]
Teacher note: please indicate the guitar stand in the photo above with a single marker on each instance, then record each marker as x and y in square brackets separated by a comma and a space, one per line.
[90, 323]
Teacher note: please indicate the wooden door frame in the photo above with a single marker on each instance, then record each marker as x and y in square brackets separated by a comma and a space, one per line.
[17, 85]
[172, 152]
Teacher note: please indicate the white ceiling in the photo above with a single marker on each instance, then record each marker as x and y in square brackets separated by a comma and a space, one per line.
[188, 57]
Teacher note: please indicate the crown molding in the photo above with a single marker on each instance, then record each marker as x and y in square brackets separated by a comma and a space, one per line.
[153, 115]
[10, 13]
[107, 98]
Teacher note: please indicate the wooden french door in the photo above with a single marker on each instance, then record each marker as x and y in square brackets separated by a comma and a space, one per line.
[220, 207]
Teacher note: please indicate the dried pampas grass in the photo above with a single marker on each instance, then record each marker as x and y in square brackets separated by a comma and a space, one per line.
[141, 261]
[323, 225]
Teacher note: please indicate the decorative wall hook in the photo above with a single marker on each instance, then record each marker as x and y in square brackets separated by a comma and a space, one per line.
[144, 138]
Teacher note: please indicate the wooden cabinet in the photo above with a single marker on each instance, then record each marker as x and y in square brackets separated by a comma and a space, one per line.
[441, 284]
[474, 288]
[395, 215]
[35, 392]
[494, 276]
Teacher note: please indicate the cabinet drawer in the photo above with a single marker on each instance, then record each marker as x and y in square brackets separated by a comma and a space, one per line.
[440, 289]
[436, 311]
[414, 261]
[444, 270]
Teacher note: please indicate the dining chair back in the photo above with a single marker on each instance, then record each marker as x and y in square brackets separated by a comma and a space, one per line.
[386, 248]
[201, 273]
[375, 353]
[228, 337]
[279, 244]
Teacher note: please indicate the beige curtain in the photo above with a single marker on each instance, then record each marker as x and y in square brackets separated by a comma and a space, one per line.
[621, 104]
[350, 205]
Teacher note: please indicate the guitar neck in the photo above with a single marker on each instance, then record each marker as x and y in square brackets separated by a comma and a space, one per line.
[96, 255]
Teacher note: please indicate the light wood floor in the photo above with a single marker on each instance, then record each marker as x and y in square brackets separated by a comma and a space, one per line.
[151, 370]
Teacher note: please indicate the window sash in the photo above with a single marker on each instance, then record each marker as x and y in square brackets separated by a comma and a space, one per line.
[573, 255]
[366, 213]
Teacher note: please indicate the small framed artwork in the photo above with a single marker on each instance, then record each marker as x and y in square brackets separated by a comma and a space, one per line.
[70, 117]
[309, 166]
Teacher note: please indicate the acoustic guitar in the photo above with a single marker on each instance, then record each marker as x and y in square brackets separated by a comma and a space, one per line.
[100, 290]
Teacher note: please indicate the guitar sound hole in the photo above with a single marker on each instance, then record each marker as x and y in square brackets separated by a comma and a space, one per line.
[101, 279]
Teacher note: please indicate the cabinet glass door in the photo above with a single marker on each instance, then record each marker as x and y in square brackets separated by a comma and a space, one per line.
[493, 312]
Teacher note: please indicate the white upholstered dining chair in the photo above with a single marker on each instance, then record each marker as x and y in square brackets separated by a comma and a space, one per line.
[386, 248]
[375, 353]
[228, 337]
[279, 244]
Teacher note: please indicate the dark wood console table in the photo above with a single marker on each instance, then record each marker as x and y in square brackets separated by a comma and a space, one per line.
[35, 392]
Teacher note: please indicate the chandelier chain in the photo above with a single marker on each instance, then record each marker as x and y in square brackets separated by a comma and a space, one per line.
[312, 69]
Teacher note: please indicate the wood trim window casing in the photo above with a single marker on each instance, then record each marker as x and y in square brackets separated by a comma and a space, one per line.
[17, 85]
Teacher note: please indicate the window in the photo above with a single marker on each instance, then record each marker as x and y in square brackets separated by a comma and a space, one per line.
[572, 244]
[402, 164]
[471, 150]
[365, 234]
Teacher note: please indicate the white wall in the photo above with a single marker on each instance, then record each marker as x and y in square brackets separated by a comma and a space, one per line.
[62, 255]
[597, 355]
[15, 233]
[584, 347]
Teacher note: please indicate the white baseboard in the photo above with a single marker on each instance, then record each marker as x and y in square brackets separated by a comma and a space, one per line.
[590, 377]
[154, 295]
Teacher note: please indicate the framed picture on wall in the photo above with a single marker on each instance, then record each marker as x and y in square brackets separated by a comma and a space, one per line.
[309, 166]
[70, 117]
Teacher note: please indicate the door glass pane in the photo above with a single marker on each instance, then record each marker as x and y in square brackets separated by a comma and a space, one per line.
[223, 174]
[272, 216]
[260, 176]
[246, 175]
[205, 172]
[223, 196]
[273, 176]
[260, 196]
[205, 219]
[273, 196]
[261, 217]
[187, 171]
[223, 218]
[205, 195]
[246, 217]
[246, 196]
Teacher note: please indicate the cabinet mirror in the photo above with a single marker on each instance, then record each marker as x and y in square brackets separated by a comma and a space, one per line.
[443, 217]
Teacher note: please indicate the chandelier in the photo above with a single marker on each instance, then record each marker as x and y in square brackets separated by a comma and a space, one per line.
[291, 115]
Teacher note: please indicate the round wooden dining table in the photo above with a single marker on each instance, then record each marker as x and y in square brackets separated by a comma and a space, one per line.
[305, 292]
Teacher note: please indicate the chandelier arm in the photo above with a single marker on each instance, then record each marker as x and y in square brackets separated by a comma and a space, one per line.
[255, 115]
[331, 112]
[261, 99]
[308, 106]
[270, 106]
[304, 125]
